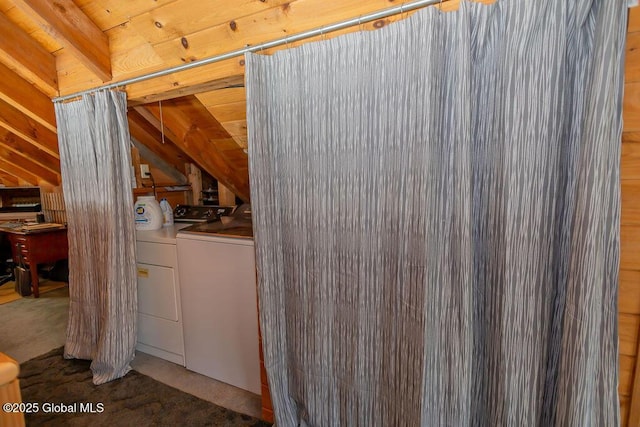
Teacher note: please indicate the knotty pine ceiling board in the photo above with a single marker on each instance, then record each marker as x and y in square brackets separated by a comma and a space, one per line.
[25, 97]
[28, 129]
[30, 26]
[24, 162]
[8, 180]
[38, 66]
[18, 172]
[182, 18]
[68, 24]
[268, 24]
[228, 112]
[39, 156]
[107, 14]
[222, 96]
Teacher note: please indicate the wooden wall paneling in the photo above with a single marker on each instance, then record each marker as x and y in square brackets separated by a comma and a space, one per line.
[630, 160]
[629, 325]
[39, 66]
[631, 107]
[22, 95]
[632, 405]
[629, 292]
[629, 279]
[632, 64]
[28, 129]
[627, 366]
[634, 20]
[629, 247]
[625, 403]
[630, 208]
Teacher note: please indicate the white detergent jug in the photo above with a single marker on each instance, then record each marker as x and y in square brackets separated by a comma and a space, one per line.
[148, 214]
[167, 212]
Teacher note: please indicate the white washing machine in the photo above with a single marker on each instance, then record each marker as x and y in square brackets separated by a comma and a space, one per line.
[219, 302]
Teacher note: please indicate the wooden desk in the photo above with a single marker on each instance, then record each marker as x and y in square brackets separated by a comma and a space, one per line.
[38, 247]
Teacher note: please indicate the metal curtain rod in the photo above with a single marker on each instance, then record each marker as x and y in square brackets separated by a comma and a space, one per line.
[267, 45]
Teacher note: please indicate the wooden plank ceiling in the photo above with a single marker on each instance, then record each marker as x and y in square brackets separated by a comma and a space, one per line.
[50, 48]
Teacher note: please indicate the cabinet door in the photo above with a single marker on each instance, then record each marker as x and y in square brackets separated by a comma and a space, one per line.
[157, 293]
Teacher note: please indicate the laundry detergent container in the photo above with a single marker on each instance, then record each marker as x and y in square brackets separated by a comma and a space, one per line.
[148, 214]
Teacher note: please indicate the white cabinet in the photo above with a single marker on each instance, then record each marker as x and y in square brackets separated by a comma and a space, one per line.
[159, 311]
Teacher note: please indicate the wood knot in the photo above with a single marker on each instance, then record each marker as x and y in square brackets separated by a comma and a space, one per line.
[60, 7]
[379, 23]
[185, 42]
[158, 24]
[233, 25]
[241, 62]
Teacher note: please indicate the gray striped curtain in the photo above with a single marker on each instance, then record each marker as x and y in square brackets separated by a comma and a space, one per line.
[95, 159]
[436, 213]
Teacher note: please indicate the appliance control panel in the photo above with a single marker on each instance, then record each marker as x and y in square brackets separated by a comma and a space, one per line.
[198, 213]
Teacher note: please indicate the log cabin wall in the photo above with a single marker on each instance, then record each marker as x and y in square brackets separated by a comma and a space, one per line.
[131, 38]
[629, 291]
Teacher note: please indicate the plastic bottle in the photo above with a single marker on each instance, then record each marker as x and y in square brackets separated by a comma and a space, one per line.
[148, 214]
[167, 213]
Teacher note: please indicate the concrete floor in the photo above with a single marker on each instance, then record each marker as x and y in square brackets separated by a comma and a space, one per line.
[31, 327]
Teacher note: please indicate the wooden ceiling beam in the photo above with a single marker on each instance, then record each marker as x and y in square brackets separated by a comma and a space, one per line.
[236, 81]
[38, 65]
[21, 161]
[18, 172]
[17, 144]
[197, 130]
[9, 180]
[22, 95]
[146, 133]
[28, 129]
[156, 122]
[65, 22]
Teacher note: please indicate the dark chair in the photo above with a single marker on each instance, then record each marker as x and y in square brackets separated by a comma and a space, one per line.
[6, 260]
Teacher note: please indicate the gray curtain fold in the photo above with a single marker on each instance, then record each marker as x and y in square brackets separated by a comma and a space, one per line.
[436, 211]
[95, 160]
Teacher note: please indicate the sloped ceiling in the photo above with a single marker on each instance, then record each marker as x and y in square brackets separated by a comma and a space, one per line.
[51, 48]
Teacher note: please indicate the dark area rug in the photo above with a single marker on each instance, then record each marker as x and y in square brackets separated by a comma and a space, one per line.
[135, 400]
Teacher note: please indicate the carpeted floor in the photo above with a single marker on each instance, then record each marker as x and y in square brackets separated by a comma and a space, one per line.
[8, 294]
[135, 400]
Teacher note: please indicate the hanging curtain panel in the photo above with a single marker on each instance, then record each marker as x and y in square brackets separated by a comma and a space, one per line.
[95, 159]
[436, 211]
